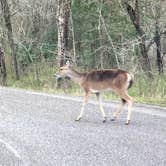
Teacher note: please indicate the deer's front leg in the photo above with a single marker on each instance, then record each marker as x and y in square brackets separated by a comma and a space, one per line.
[101, 106]
[83, 107]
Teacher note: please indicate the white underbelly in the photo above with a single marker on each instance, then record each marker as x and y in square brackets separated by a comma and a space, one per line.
[100, 90]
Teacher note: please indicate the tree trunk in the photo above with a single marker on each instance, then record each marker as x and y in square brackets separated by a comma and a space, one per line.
[3, 73]
[135, 18]
[35, 44]
[6, 15]
[158, 46]
[73, 37]
[163, 38]
[63, 17]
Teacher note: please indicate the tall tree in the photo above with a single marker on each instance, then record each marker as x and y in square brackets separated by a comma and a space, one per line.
[63, 18]
[158, 51]
[135, 18]
[63, 15]
[7, 19]
[3, 73]
[157, 38]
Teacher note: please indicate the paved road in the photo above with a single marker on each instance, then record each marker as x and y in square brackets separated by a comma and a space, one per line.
[39, 130]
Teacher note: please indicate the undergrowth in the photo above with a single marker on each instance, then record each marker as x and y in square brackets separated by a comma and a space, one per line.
[143, 90]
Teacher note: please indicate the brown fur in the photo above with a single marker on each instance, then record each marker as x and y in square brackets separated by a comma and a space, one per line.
[104, 79]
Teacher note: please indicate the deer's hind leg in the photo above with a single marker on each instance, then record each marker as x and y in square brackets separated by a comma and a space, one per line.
[125, 98]
[118, 110]
[130, 103]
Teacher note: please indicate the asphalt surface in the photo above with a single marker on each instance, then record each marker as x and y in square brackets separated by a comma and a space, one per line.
[39, 130]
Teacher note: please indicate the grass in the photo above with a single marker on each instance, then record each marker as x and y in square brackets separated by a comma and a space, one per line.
[143, 90]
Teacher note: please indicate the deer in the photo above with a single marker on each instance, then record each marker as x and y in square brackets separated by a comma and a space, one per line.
[98, 81]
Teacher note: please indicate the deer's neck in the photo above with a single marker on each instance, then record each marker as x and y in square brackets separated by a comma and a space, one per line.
[76, 76]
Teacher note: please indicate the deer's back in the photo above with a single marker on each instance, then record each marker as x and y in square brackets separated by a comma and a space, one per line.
[103, 75]
[105, 79]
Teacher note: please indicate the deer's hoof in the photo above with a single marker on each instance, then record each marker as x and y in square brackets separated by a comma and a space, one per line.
[128, 122]
[78, 119]
[113, 119]
[104, 120]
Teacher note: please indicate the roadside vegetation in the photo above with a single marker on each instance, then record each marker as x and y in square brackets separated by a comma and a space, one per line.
[39, 36]
[143, 90]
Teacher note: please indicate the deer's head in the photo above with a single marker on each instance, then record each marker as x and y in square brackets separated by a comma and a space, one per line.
[63, 71]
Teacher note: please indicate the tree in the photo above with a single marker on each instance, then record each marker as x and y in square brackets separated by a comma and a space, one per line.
[135, 18]
[63, 17]
[3, 73]
[7, 19]
[158, 48]
[157, 38]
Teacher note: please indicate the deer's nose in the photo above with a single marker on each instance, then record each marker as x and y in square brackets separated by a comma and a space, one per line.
[56, 75]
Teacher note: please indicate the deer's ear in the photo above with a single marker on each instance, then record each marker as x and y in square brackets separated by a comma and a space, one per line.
[68, 63]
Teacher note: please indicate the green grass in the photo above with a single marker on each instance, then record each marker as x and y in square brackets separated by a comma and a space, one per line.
[143, 90]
